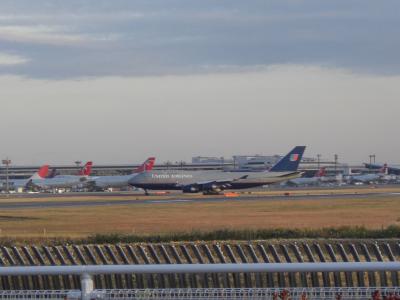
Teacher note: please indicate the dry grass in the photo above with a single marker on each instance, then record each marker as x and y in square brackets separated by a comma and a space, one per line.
[374, 212]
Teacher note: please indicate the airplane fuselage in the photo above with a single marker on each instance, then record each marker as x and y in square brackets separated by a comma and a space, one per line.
[66, 181]
[178, 179]
[105, 182]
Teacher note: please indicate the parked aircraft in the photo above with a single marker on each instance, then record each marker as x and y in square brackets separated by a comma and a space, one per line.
[211, 182]
[367, 178]
[16, 184]
[118, 181]
[392, 170]
[318, 178]
[61, 181]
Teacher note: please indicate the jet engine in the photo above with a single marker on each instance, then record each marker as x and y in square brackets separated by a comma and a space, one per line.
[190, 189]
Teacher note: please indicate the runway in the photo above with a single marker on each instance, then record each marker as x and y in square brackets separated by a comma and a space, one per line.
[176, 198]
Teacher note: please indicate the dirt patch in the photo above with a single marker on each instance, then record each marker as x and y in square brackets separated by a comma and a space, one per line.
[16, 218]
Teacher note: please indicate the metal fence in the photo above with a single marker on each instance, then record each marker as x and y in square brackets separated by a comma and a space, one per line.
[86, 276]
[204, 253]
[73, 294]
[248, 294]
[218, 294]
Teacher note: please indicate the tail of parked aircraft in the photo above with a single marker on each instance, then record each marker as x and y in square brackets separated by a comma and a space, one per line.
[291, 161]
[41, 173]
[321, 172]
[384, 169]
[87, 169]
[146, 166]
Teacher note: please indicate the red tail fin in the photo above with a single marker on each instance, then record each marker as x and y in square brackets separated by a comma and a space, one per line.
[146, 166]
[87, 169]
[43, 171]
[321, 172]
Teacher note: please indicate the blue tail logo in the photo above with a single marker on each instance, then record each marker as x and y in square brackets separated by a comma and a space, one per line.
[291, 161]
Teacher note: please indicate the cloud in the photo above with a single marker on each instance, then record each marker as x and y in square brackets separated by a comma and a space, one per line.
[10, 59]
[140, 38]
[41, 35]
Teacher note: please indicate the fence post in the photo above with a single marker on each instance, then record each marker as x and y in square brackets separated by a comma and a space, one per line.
[86, 286]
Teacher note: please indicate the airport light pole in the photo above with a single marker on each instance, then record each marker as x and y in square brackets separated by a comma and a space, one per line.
[336, 160]
[319, 160]
[372, 158]
[7, 163]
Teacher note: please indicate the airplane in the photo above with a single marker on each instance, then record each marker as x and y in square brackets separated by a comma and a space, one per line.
[15, 184]
[61, 181]
[391, 169]
[318, 178]
[213, 182]
[367, 178]
[118, 181]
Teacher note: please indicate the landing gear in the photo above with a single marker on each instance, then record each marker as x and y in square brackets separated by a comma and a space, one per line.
[212, 192]
[146, 192]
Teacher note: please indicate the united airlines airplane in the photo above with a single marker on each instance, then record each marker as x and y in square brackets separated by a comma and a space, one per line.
[212, 182]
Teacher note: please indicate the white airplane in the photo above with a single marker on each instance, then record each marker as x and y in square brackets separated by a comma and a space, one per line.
[318, 178]
[368, 178]
[118, 181]
[16, 184]
[61, 181]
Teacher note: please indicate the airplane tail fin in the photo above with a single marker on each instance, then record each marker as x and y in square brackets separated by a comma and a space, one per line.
[321, 172]
[146, 166]
[42, 173]
[384, 169]
[291, 161]
[87, 169]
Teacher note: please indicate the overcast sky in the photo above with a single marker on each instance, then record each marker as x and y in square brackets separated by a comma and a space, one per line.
[117, 81]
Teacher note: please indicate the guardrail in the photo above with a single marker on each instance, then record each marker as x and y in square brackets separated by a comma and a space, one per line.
[202, 268]
[204, 253]
[86, 272]
[217, 294]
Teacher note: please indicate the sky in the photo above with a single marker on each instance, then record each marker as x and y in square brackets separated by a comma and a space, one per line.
[118, 81]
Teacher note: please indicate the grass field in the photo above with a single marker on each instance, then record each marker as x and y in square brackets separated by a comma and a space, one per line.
[374, 212]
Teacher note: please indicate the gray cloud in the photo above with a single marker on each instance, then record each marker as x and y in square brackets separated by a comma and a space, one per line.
[68, 39]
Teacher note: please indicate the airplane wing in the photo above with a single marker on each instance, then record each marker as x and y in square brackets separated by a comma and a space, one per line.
[90, 183]
[30, 186]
